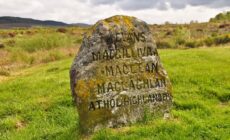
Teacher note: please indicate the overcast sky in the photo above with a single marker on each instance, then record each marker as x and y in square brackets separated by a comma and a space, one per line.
[89, 11]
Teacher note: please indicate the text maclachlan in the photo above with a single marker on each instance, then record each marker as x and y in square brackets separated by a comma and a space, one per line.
[132, 84]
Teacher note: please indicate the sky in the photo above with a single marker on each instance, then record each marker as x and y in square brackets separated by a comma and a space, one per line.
[90, 11]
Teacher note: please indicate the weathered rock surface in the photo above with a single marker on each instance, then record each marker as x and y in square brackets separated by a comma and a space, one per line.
[117, 76]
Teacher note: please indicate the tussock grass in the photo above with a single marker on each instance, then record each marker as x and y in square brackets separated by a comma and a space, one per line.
[25, 47]
[191, 35]
[44, 42]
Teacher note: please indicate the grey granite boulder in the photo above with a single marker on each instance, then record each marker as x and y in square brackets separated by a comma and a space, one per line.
[117, 76]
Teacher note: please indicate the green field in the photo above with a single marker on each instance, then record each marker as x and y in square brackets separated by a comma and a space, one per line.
[36, 102]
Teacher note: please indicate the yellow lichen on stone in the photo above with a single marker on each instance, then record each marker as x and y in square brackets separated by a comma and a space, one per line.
[128, 22]
[118, 20]
[82, 89]
[121, 20]
[86, 89]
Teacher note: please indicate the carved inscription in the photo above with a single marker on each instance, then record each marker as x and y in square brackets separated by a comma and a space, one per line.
[125, 67]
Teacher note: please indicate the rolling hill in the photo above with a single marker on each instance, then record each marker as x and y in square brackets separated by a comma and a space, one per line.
[11, 22]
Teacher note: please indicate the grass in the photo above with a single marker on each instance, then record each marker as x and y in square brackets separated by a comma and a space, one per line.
[191, 35]
[24, 47]
[38, 104]
[44, 42]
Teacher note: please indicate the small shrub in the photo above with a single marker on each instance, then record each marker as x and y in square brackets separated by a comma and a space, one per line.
[168, 33]
[29, 33]
[61, 30]
[12, 34]
[222, 40]
[209, 41]
[214, 34]
[217, 40]
[4, 72]
[180, 42]
[191, 44]
[31, 60]
[10, 42]
[194, 44]
[224, 25]
[199, 30]
[2, 45]
[181, 35]
[164, 44]
[52, 56]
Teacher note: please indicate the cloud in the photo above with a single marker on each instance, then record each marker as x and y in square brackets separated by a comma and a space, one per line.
[90, 11]
[161, 4]
[132, 4]
[137, 5]
[104, 1]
